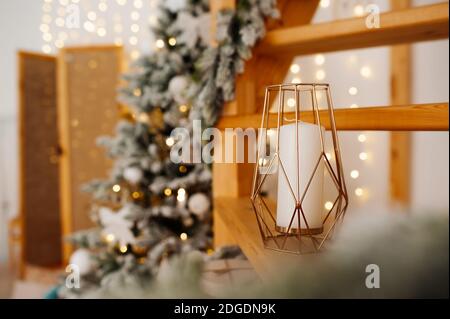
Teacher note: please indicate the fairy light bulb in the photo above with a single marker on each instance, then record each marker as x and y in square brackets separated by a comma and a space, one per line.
[324, 3]
[359, 192]
[354, 174]
[170, 141]
[123, 249]
[353, 91]
[116, 188]
[295, 68]
[363, 156]
[328, 205]
[167, 192]
[362, 138]
[183, 108]
[296, 80]
[172, 41]
[366, 71]
[46, 48]
[109, 238]
[291, 102]
[159, 43]
[183, 236]
[319, 59]
[358, 10]
[134, 28]
[320, 75]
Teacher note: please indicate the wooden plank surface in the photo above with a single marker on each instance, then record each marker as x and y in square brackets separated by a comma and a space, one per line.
[404, 26]
[420, 117]
[239, 219]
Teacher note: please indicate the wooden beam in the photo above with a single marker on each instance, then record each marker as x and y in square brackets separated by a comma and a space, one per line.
[420, 117]
[400, 142]
[397, 27]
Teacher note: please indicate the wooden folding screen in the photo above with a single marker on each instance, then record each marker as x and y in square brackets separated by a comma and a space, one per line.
[39, 176]
[87, 78]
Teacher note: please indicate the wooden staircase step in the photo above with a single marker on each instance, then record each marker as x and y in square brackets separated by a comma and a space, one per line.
[419, 117]
[404, 26]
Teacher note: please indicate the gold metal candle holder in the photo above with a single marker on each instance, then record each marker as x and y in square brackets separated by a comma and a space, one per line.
[298, 104]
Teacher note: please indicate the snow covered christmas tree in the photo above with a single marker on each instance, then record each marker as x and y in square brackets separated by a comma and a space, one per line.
[150, 208]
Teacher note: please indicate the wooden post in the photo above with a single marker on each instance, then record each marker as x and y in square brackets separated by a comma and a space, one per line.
[400, 149]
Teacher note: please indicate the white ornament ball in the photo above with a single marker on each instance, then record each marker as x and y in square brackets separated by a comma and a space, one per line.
[199, 204]
[83, 259]
[133, 174]
[177, 86]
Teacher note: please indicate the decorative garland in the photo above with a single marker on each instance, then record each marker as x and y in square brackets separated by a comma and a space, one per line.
[237, 33]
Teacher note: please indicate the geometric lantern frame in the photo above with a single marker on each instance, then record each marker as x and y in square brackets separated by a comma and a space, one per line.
[297, 103]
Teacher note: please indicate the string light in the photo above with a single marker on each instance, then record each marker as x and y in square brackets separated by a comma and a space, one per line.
[366, 71]
[116, 188]
[101, 32]
[328, 205]
[172, 41]
[182, 169]
[324, 3]
[44, 27]
[135, 15]
[296, 80]
[353, 91]
[363, 156]
[295, 68]
[60, 22]
[170, 141]
[354, 106]
[121, 2]
[136, 195]
[183, 108]
[92, 15]
[167, 192]
[46, 48]
[102, 6]
[183, 236]
[362, 138]
[320, 75]
[123, 249]
[135, 54]
[319, 59]
[134, 28]
[291, 102]
[354, 174]
[47, 37]
[358, 10]
[359, 192]
[109, 238]
[89, 26]
[137, 4]
[181, 195]
[159, 43]
[137, 92]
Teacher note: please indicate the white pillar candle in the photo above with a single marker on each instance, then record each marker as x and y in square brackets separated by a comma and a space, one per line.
[309, 152]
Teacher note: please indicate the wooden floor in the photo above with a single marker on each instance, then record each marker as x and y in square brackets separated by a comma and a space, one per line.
[36, 283]
[6, 280]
